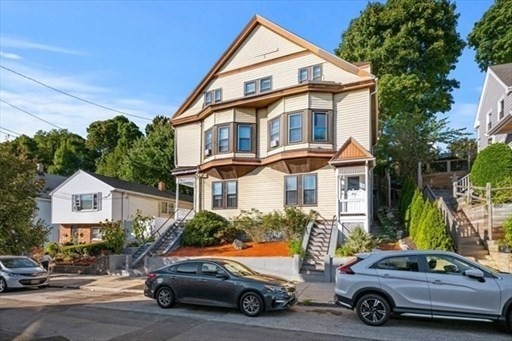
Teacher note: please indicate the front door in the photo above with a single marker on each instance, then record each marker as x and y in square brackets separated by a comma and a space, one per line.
[451, 290]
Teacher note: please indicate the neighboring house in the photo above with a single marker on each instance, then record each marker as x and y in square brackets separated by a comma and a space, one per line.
[44, 202]
[493, 121]
[278, 122]
[85, 199]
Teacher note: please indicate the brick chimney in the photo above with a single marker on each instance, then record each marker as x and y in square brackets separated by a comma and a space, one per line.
[161, 186]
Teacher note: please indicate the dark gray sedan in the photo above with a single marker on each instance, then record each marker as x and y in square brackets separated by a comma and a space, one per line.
[221, 283]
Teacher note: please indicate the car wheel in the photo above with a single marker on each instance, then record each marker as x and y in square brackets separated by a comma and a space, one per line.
[251, 304]
[3, 285]
[373, 310]
[165, 297]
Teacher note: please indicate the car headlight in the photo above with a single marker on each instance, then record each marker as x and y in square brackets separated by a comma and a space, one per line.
[275, 288]
[13, 274]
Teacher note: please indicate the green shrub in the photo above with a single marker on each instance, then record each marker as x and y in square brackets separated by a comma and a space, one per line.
[507, 226]
[434, 233]
[415, 216]
[140, 227]
[493, 164]
[92, 249]
[503, 196]
[113, 235]
[251, 222]
[203, 229]
[419, 234]
[344, 251]
[359, 241]
[294, 222]
[52, 249]
[229, 233]
[295, 247]
[406, 196]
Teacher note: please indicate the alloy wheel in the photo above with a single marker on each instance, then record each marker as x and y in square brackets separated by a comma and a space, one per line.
[373, 310]
[251, 304]
[165, 297]
[3, 285]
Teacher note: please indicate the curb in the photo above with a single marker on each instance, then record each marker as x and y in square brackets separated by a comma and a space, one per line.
[93, 288]
[317, 304]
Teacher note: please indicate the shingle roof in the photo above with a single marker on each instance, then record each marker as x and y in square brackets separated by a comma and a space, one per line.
[503, 72]
[51, 181]
[139, 188]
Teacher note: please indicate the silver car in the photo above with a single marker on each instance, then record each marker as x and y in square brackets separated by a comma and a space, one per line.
[433, 284]
[21, 272]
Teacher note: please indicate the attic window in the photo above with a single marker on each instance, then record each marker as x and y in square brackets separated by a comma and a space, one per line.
[258, 86]
[212, 96]
[313, 72]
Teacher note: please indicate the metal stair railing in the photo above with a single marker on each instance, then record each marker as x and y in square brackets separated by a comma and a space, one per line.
[144, 249]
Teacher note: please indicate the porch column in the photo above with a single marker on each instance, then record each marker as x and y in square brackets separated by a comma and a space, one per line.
[177, 209]
[366, 197]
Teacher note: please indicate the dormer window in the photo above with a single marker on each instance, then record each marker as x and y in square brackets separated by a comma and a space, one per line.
[212, 96]
[313, 72]
[257, 86]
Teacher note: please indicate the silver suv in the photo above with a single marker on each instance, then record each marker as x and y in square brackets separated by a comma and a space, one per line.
[425, 284]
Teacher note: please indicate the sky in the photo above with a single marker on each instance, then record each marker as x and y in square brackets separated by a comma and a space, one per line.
[144, 58]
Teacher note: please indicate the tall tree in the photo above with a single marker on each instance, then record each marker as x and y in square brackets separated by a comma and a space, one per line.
[152, 159]
[70, 156]
[18, 189]
[22, 146]
[491, 36]
[111, 140]
[413, 45]
[463, 148]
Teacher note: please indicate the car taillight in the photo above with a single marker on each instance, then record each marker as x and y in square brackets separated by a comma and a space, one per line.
[151, 275]
[345, 269]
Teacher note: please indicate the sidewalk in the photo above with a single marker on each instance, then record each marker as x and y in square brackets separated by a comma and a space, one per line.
[309, 293]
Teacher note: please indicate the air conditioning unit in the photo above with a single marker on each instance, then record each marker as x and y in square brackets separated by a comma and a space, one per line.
[274, 143]
[208, 152]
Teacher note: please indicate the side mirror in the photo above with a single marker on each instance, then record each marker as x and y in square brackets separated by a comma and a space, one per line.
[474, 273]
[222, 275]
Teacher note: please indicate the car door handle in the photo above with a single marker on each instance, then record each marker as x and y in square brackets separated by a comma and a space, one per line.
[437, 281]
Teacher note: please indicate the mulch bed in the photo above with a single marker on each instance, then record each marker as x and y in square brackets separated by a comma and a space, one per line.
[269, 249]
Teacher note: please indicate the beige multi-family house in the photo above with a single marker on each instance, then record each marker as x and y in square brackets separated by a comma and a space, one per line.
[278, 122]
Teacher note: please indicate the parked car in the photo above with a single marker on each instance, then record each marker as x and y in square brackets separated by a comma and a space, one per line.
[432, 284]
[21, 272]
[221, 283]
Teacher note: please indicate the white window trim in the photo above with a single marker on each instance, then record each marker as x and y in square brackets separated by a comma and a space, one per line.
[301, 127]
[76, 202]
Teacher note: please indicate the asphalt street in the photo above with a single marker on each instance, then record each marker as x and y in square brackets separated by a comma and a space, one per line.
[64, 314]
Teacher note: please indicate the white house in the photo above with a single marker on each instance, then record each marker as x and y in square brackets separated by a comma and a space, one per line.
[85, 199]
[44, 202]
[278, 122]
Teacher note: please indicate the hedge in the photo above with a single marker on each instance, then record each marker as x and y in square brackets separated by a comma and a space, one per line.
[203, 230]
[92, 249]
[493, 164]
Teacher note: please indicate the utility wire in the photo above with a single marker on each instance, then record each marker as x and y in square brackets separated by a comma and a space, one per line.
[26, 112]
[12, 132]
[73, 96]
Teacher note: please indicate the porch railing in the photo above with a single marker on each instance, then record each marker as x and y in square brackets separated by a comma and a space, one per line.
[353, 206]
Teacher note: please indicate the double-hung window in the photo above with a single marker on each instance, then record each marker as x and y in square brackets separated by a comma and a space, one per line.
[208, 143]
[300, 190]
[244, 138]
[224, 194]
[295, 128]
[223, 139]
[167, 207]
[501, 109]
[258, 86]
[275, 129]
[86, 202]
[319, 126]
[313, 72]
[489, 120]
[212, 96]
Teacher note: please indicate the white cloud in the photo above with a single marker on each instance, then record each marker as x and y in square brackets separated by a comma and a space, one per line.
[9, 56]
[64, 111]
[29, 45]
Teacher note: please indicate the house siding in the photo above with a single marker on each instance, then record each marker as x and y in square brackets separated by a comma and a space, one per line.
[321, 100]
[263, 189]
[493, 92]
[251, 50]
[352, 117]
[245, 115]
[82, 183]
[188, 151]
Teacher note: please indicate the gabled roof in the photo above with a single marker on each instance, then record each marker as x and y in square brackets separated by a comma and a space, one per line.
[122, 185]
[51, 181]
[246, 32]
[503, 72]
[351, 151]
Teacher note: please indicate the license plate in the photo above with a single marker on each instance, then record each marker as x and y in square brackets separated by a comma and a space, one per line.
[34, 281]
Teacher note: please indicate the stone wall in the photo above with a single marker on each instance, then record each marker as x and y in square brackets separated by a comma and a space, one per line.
[99, 267]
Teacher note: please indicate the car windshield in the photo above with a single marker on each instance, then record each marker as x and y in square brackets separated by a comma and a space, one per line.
[238, 269]
[14, 263]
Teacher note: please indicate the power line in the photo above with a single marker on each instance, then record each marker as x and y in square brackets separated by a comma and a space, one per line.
[73, 96]
[26, 112]
[12, 132]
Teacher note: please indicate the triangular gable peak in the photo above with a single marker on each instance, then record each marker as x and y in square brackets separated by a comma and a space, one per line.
[280, 46]
[351, 151]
